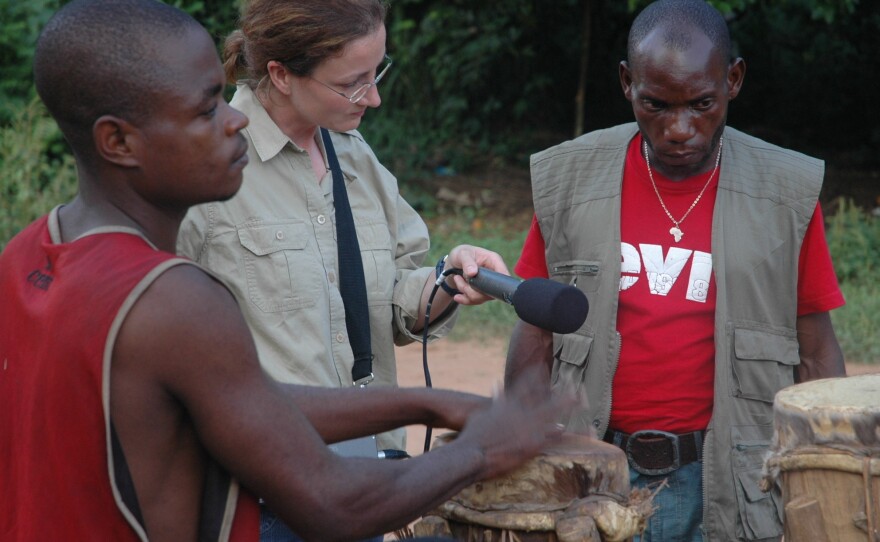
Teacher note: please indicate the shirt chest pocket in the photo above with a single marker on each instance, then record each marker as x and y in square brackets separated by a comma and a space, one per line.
[280, 273]
[379, 270]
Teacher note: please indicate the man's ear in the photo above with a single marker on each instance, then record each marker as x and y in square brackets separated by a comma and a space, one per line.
[115, 141]
[625, 79]
[736, 74]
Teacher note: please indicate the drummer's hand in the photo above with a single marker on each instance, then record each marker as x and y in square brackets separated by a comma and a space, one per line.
[469, 259]
[517, 426]
[578, 394]
[451, 409]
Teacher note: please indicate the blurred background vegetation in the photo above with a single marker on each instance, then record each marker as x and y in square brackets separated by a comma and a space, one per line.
[479, 85]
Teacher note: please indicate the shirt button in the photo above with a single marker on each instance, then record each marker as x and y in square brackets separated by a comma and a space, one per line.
[340, 337]
[321, 219]
[331, 276]
[279, 235]
[596, 424]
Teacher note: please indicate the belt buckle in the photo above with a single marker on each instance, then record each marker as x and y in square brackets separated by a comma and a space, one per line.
[672, 438]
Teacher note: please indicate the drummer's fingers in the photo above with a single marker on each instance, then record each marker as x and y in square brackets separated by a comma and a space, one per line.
[530, 387]
[533, 392]
[536, 422]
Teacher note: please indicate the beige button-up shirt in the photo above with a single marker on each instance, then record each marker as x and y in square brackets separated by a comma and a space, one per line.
[274, 243]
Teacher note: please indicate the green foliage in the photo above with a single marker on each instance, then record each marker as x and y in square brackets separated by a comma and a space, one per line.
[486, 78]
[463, 72]
[21, 24]
[829, 10]
[219, 17]
[482, 78]
[797, 65]
[36, 172]
[857, 322]
[824, 10]
[854, 241]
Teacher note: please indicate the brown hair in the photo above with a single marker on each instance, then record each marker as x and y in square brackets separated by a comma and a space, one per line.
[299, 33]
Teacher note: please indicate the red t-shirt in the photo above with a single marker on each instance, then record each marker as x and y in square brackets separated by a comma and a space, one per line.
[666, 371]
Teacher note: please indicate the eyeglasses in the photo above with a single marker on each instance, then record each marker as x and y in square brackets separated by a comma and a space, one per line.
[358, 94]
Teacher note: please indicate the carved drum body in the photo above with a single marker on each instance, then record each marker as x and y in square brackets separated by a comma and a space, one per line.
[826, 454]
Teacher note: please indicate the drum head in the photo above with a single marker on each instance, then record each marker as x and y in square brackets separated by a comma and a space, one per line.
[843, 411]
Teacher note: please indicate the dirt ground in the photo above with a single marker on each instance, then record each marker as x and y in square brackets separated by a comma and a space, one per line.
[475, 367]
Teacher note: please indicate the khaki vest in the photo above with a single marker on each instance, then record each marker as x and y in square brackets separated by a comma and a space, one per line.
[766, 198]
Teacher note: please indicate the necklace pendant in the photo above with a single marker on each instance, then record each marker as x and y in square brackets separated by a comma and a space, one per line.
[676, 232]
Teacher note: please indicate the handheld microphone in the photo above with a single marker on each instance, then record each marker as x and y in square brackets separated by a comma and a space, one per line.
[546, 304]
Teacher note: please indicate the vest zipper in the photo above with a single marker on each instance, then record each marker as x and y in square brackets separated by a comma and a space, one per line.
[611, 385]
[707, 451]
[576, 269]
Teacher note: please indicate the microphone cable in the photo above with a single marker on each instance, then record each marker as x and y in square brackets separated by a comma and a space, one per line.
[440, 279]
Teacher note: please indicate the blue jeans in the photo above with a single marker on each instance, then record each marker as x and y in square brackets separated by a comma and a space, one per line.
[272, 529]
[679, 505]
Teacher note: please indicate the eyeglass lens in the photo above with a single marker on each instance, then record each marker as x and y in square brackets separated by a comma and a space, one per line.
[362, 91]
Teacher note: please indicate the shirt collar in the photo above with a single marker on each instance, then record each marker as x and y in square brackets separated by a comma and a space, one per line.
[267, 137]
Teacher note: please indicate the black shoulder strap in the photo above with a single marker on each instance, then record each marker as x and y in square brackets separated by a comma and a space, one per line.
[351, 274]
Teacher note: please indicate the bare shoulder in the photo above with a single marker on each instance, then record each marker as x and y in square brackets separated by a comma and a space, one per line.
[183, 324]
[185, 290]
[181, 344]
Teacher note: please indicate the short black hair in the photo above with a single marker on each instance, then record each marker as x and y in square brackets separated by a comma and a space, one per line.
[100, 57]
[678, 18]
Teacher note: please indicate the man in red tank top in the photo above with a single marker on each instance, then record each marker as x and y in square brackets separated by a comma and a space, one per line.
[132, 402]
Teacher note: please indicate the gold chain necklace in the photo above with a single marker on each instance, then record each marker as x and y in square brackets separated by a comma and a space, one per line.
[675, 230]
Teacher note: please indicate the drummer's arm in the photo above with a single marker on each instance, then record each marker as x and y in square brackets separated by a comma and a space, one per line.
[529, 345]
[820, 352]
[381, 408]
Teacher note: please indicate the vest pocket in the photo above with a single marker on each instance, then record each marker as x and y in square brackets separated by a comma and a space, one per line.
[279, 272]
[574, 349]
[570, 362]
[759, 513]
[763, 362]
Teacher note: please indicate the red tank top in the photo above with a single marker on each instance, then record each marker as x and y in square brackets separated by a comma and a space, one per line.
[61, 477]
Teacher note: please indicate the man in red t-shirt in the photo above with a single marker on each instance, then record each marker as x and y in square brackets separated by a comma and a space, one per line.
[666, 287]
[679, 82]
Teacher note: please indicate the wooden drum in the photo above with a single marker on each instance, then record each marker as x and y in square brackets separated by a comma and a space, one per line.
[577, 491]
[826, 453]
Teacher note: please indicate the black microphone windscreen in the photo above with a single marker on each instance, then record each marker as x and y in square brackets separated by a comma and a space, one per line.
[550, 305]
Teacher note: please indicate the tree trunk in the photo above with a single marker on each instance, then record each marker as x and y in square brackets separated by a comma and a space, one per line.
[580, 97]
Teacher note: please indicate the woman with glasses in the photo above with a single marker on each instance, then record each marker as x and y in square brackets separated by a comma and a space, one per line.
[306, 70]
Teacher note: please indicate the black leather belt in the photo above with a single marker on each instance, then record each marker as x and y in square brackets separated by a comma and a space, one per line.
[658, 452]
